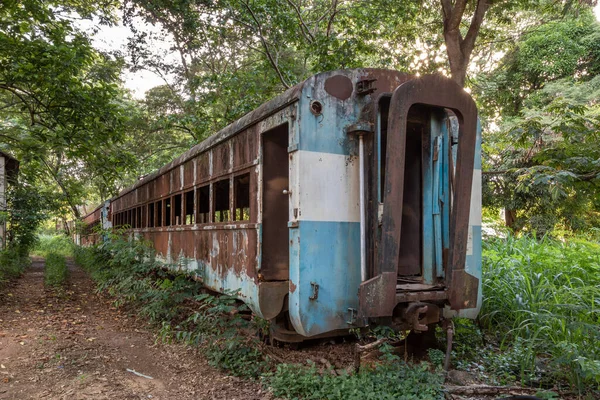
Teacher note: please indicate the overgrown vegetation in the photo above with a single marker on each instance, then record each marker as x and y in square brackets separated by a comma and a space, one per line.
[539, 322]
[225, 331]
[23, 214]
[57, 244]
[56, 271]
[174, 303]
[391, 380]
[540, 314]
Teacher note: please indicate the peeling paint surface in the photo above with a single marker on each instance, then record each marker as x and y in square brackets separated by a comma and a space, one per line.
[223, 245]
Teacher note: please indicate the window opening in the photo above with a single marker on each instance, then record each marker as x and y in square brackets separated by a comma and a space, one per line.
[221, 190]
[241, 186]
[203, 195]
[167, 202]
[159, 214]
[189, 208]
[151, 215]
[177, 214]
[139, 217]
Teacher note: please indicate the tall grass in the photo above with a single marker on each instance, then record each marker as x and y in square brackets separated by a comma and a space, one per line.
[56, 271]
[12, 264]
[57, 244]
[544, 295]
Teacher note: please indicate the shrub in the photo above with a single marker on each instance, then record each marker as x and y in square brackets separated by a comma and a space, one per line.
[12, 264]
[396, 380]
[57, 244]
[55, 272]
[543, 297]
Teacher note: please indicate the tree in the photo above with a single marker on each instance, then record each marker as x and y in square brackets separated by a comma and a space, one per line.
[61, 107]
[543, 162]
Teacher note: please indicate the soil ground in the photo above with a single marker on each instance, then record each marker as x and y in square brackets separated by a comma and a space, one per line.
[77, 345]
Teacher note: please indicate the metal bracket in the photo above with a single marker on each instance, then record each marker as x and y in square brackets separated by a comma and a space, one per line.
[353, 314]
[361, 127]
[315, 291]
[365, 86]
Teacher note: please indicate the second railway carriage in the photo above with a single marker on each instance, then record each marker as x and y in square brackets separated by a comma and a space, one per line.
[354, 195]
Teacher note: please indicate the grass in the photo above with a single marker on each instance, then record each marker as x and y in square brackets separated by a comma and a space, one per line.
[542, 303]
[12, 264]
[539, 324]
[224, 330]
[56, 271]
[57, 244]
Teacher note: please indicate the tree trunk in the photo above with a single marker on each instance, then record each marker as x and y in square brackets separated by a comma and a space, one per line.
[510, 217]
[459, 49]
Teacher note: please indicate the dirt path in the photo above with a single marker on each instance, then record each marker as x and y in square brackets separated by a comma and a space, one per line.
[78, 346]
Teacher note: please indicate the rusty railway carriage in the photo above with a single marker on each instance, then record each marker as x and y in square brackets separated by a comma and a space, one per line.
[354, 195]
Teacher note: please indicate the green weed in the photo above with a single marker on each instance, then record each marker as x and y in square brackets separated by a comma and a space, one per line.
[542, 302]
[395, 380]
[56, 271]
[58, 244]
[176, 304]
[12, 264]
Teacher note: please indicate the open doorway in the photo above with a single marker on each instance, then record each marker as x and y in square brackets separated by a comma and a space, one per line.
[275, 204]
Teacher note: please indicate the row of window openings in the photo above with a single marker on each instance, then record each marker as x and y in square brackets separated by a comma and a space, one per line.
[179, 209]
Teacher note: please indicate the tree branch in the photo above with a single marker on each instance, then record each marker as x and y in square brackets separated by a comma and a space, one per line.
[266, 47]
[469, 42]
[305, 31]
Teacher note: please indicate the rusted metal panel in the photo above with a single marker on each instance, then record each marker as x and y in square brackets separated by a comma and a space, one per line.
[221, 161]
[152, 195]
[160, 239]
[188, 173]
[175, 179]
[245, 148]
[255, 208]
[203, 167]
[378, 287]
[441, 92]
[339, 86]
[162, 185]
[142, 194]
[182, 244]
[203, 246]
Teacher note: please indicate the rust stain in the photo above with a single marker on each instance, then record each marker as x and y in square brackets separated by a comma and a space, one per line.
[339, 86]
[232, 247]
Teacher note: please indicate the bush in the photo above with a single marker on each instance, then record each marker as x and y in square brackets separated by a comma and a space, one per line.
[57, 244]
[55, 272]
[396, 380]
[543, 298]
[12, 264]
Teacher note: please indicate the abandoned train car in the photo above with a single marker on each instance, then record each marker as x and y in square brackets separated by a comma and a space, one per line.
[353, 196]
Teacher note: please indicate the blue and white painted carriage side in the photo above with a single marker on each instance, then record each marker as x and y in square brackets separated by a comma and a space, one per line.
[326, 243]
[324, 206]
